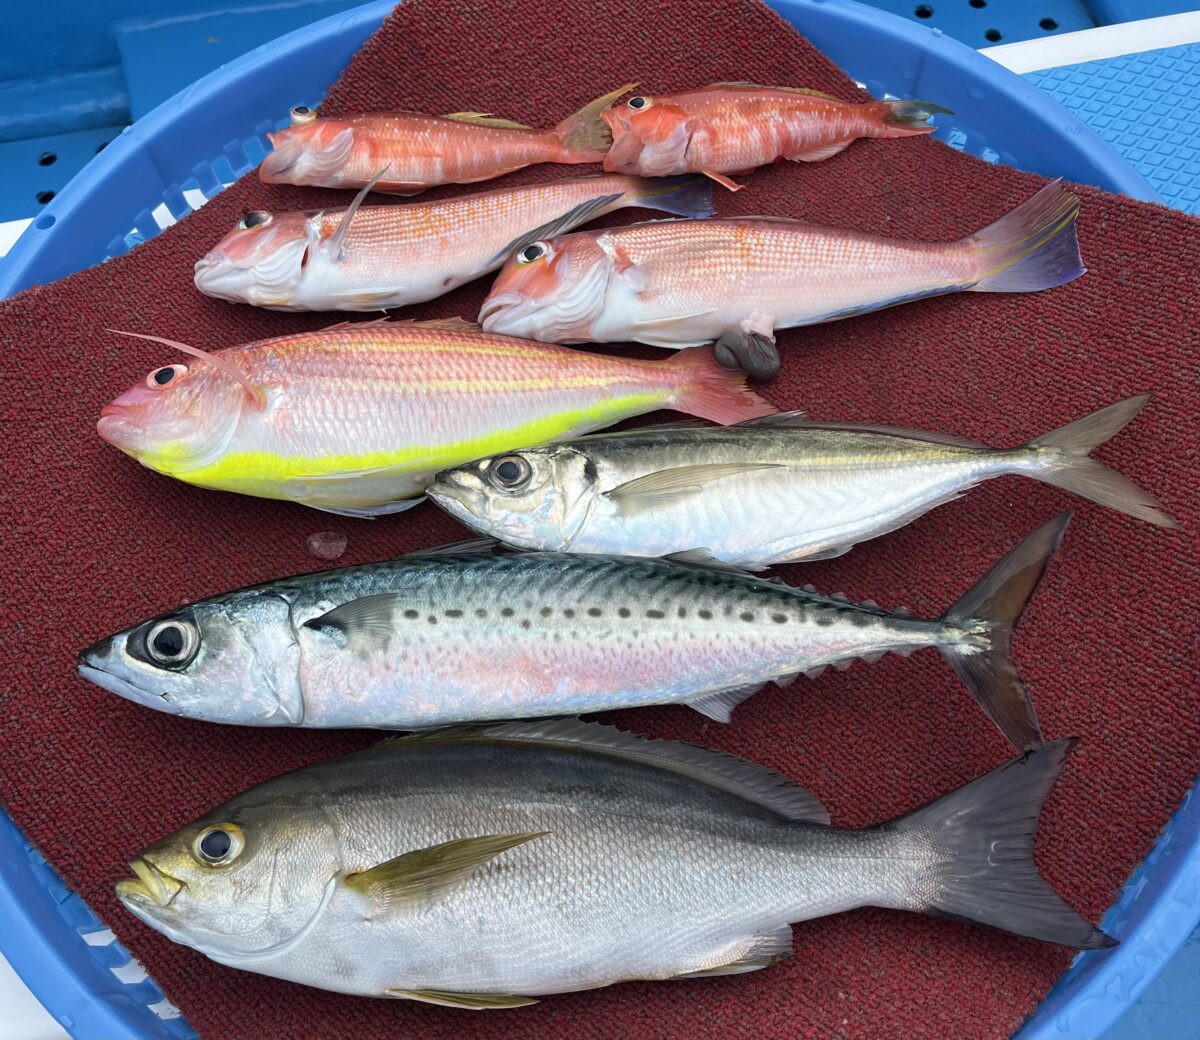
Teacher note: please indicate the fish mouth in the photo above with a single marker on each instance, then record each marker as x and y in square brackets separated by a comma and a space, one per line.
[149, 885]
[504, 312]
[89, 670]
[278, 162]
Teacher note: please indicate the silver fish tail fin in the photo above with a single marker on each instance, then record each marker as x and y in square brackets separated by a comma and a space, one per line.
[980, 624]
[981, 841]
[1032, 247]
[1064, 461]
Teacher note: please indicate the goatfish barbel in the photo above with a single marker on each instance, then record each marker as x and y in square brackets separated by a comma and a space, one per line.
[464, 635]
[421, 151]
[735, 127]
[775, 490]
[681, 283]
[483, 867]
[370, 258]
[357, 418]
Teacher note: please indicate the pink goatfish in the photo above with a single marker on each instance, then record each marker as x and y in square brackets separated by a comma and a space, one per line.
[357, 418]
[365, 258]
[734, 127]
[681, 283]
[421, 151]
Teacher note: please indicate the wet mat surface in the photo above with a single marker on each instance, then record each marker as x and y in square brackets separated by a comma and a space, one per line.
[95, 543]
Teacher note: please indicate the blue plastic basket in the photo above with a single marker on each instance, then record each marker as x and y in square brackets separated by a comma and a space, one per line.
[213, 132]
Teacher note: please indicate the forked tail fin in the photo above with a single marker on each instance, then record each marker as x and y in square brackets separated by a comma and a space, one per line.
[1065, 461]
[585, 136]
[1032, 247]
[712, 391]
[982, 622]
[980, 838]
[909, 118]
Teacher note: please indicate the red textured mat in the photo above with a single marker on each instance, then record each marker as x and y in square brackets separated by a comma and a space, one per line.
[94, 543]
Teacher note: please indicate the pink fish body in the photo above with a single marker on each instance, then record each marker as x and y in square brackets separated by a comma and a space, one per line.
[737, 280]
[734, 127]
[357, 418]
[421, 151]
[369, 258]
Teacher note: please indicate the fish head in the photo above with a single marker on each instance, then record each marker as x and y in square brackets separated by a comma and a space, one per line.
[537, 498]
[180, 417]
[650, 137]
[312, 152]
[230, 659]
[261, 261]
[246, 882]
[551, 290]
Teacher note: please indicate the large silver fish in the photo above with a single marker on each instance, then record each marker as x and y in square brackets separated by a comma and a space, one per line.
[773, 490]
[481, 868]
[432, 639]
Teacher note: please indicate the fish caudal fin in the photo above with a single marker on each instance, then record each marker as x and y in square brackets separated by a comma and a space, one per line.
[984, 620]
[909, 118]
[1064, 460]
[585, 136]
[1033, 247]
[690, 195]
[712, 391]
[981, 841]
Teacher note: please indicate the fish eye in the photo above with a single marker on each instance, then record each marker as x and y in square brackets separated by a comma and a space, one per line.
[219, 845]
[160, 377]
[303, 114]
[172, 643]
[511, 472]
[259, 218]
[639, 103]
[533, 251]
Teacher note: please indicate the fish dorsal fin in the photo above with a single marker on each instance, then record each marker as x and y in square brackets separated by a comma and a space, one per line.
[424, 872]
[342, 326]
[455, 324]
[744, 779]
[575, 216]
[949, 439]
[778, 419]
[670, 485]
[791, 90]
[486, 119]
[468, 1001]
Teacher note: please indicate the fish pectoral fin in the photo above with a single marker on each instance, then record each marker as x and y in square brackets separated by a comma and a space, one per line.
[468, 1001]
[368, 615]
[575, 216]
[722, 180]
[486, 119]
[719, 706]
[425, 872]
[670, 319]
[760, 951]
[669, 485]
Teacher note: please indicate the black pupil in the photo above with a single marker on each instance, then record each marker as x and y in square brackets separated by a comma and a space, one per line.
[216, 844]
[254, 219]
[508, 471]
[532, 252]
[169, 641]
[637, 102]
[164, 375]
[301, 110]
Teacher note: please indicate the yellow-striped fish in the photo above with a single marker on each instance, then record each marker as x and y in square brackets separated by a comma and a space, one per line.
[357, 418]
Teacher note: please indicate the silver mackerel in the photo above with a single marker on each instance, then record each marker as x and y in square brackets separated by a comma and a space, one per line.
[453, 636]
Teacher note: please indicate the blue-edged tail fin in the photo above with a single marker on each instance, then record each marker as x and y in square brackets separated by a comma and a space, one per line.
[1032, 247]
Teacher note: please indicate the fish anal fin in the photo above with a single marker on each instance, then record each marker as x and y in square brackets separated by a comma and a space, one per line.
[668, 485]
[719, 706]
[722, 180]
[759, 951]
[421, 873]
[701, 557]
[817, 154]
[466, 1001]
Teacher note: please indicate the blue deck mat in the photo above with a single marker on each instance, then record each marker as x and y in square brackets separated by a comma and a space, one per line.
[1147, 106]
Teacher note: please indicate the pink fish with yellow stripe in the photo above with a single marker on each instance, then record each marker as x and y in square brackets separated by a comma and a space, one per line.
[421, 151]
[370, 258]
[682, 283]
[357, 418]
[735, 127]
